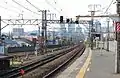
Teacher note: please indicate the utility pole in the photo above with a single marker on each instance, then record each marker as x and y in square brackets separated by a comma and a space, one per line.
[92, 14]
[101, 35]
[92, 10]
[118, 39]
[89, 33]
[39, 31]
[53, 36]
[108, 34]
[44, 31]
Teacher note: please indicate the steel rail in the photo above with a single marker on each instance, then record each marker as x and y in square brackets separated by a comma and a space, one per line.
[16, 72]
[63, 64]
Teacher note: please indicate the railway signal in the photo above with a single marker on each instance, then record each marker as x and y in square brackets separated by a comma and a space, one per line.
[61, 19]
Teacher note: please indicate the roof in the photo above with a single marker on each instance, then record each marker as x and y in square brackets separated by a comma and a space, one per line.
[8, 41]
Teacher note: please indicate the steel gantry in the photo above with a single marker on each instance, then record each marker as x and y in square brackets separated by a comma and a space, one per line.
[35, 22]
[38, 22]
[96, 16]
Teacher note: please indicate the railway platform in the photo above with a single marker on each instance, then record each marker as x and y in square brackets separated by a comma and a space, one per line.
[96, 63]
[101, 64]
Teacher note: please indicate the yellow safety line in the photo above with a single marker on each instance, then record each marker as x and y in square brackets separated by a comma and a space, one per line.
[82, 71]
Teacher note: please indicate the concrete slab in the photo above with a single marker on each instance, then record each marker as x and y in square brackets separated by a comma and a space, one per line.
[102, 66]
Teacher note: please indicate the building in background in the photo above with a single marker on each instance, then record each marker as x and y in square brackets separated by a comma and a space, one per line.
[71, 31]
[80, 36]
[18, 32]
[97, 26]
[63, 30]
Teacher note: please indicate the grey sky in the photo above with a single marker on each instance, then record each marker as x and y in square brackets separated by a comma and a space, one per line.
[70, 8]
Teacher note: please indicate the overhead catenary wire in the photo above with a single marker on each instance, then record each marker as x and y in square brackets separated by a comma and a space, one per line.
[108, 6]
[56, 3]
[47, 3]
[52, 6]
[16, 8]
[33, 5]
[61, 10]
[25, 7]
[8, 9]
[106, 11]
[7, 3]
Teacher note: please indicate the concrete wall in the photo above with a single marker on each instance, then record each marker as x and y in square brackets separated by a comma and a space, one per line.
[112, 46]
[20, 49]
[28, 49]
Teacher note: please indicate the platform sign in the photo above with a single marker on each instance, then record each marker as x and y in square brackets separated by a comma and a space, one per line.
[117, 26]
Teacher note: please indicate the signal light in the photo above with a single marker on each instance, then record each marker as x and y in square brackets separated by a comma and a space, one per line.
[76, 22]
[61, 19]
[67, 20]
[97, 35]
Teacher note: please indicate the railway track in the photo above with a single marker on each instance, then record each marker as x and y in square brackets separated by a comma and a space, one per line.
[64, 63]
[27, 68]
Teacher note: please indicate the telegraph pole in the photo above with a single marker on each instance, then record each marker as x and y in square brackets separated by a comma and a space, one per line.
[44, 31]
[89, 33]
[118, 39]
[92, 14]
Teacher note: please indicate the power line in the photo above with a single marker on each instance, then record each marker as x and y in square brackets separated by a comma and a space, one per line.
[7, 3]
[52, 6]
[108, 6]
[8, 9]
[33, 5]
[11, 5]
[25, 7]
[56, 3]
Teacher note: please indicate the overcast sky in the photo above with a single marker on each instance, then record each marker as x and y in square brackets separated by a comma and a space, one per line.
[68, 8]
